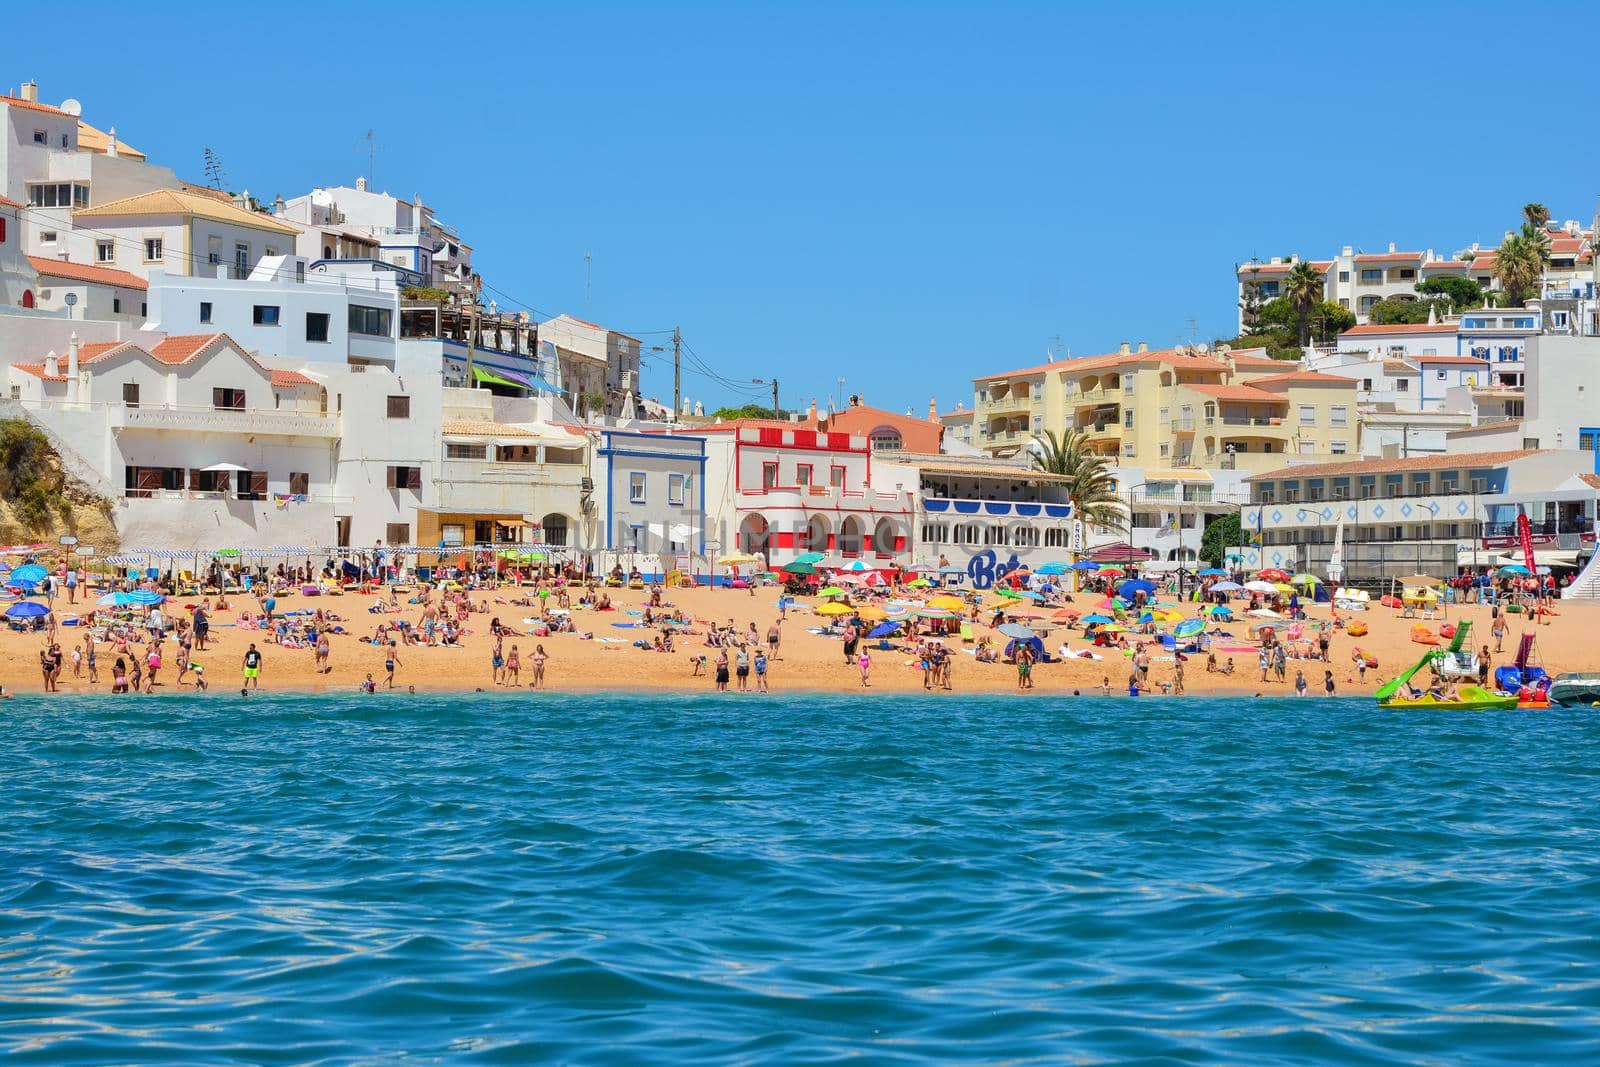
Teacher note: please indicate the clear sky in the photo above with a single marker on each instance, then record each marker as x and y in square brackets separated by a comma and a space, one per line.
[902, 195]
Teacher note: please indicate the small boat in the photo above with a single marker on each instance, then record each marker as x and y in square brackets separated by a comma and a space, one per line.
[1468, 698]
[1576, 689]
[1532, 705]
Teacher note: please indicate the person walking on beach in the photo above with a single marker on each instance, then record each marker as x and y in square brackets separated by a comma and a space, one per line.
[1025, 667]
[741, 668]
[774, 637]
[497, 661]
[1266, 660]
[864, 662]
[252, 668]
[538, 667]
[1280, 661]
[152, 660]
[72, 586]
[323, 649]
[850, 637]
[1483, 665]
[1177, 673]
[90, 658]
[761, 671]
[391, 660]
[1498, 629]
[202, 627]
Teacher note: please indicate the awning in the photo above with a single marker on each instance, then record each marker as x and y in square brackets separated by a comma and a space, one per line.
[529, 381]
[1542, 557]
[481, 375]
[511, 522]
[475, 513]
[221, 468]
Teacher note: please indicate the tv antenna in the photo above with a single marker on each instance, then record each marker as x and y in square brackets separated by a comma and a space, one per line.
[588, 282]
[369, 145]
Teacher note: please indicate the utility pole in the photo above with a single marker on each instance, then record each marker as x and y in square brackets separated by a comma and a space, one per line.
[472, 345]
[677, 373]
[775, 410]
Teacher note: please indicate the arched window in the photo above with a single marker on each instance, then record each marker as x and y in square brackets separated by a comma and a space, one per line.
[554, 529]
[27, 298]
[850, 536]
[885, 437]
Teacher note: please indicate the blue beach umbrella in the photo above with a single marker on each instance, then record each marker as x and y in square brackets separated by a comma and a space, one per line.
[1516, 569]
[1053, 568]
[1135, 585]
[1212, 572]
[1188, 627]
[1085, 565]
[883, 629]
[144, 597]
[30, 572]
[114, 600]
[1146, 619]
[1096, 620]
[26, 609]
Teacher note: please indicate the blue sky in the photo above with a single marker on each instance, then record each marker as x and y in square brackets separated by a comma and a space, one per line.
[902, 195]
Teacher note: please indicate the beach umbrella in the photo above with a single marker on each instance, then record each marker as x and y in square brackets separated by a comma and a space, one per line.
[811, 558]
[1273, 574]
[833, 608]
[1052, 568]
[1007, 594]
[856, 565]
[1423, 581]
[739, 559]
[1096, 620]
[831, 590]
[1113, 628]
[1086, 565]
[935, 613]
[798, 567]
[145, 597]
[26, 609]
[1146, 619]
[1113, 572]
[1017, 632]
[1265, 613]
[1260, 587]
[1031, 595]
[950, 570]
[947, 602]
[29, 573]
[1510, 570]
[1284, 587]
[1211, 572]
[872, 613]
[227, 553]
[919, 583]
[1188, 628]
[1216, 609]
[1133, 586]
[114, 600]
[1305, 579]
[1066, 615]
[884, 629]
[1226, 587]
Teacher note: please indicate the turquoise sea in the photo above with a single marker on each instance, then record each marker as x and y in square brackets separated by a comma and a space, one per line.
[627, 879]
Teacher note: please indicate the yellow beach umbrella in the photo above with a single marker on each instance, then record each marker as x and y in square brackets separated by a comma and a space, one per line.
[871, 613]
[948, 603]
[833, 607]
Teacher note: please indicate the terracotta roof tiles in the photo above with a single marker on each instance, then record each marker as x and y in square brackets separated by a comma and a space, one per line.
[1310, 377]
[285, 378]
[1400, 328]
[1242, 393]
[1473, 460]
[86, 272]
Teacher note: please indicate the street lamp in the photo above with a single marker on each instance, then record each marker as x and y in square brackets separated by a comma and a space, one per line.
[1300, 513]
[774, 383]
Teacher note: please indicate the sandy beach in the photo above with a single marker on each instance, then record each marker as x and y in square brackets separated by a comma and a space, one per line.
[805, 661]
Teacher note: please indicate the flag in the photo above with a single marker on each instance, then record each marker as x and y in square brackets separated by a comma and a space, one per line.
[1525, 531]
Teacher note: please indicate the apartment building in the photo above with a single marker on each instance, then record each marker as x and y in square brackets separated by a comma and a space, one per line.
[958, 424]
[1172, 407]
[180, 232]
[1397, 516]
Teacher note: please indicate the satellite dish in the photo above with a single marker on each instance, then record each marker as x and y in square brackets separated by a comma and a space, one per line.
[71, 299]
[72, 107]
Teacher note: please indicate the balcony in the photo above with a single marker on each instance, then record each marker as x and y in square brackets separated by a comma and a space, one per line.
[1008, 405]
[466, 486]
[936, 505]
[197, 419]
[1248, 420]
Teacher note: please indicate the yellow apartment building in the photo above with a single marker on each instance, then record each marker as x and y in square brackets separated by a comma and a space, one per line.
[1173, 407]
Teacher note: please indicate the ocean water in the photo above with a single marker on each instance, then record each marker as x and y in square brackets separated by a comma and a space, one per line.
[625, 879]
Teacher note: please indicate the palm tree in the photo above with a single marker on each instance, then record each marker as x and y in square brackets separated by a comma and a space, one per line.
[1090, 485]
[1304, 290]
[1535, 215]
[1519, 265]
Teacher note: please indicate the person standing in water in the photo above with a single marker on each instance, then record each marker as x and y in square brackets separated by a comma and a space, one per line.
[252, 668]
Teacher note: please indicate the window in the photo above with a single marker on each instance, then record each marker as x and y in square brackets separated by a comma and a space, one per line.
[105, 251]
[836, 477]
[1338, 415]
[1402, 385]
[241, 260]
[316, 326]
[1308, 414]
[1408, 274]
[1439, 375]
[1530, 443]
[1338, 448]
[1480, 485]
[397, 533]
[1586, 441]
[399, 407]
[58, 194]
[676, 485]
[144, 309]
[802, 474]
[116, 305]
[227, 399]
[1366, 303]
[1291, 494]
[769, 475]
[299, 483]
[368, 321]
[636, 487]
[250, 485]
[153, 250]
[47, 237]
[1368, 490]
[1371, 277]
[457, 450]
[130, 394]
[1366, 384]
[1344, 276]
[205, 311]
[1448, 484]
[405, 478]
[41, 137]
[265, 314]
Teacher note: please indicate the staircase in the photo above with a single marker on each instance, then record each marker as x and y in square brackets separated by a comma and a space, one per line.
[1586, 586]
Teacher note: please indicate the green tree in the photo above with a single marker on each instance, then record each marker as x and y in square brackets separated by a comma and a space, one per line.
[1519, 264]
[1330, 319]
[748, 411]
[1462, 293]
[1390, 312]
[1220, 532]
[1535, 215]
[1090, 485]
[1250, 300]
[1304, 290]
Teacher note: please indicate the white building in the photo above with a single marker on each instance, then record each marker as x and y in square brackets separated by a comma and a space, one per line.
[82, 291]
[175, 231]
[18, 279]
[353, 223]
[593, 361]
[650, 490]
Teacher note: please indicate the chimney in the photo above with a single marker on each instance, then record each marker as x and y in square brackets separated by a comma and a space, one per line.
[1144, 347]
[52, 364]
[72, 355]
[811, 413]
[30, 91]
[1124, 348]
[111, 143]
[933, 409]
[278, 205]
[1391, 247]
[361, 185]
[1347, 250]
